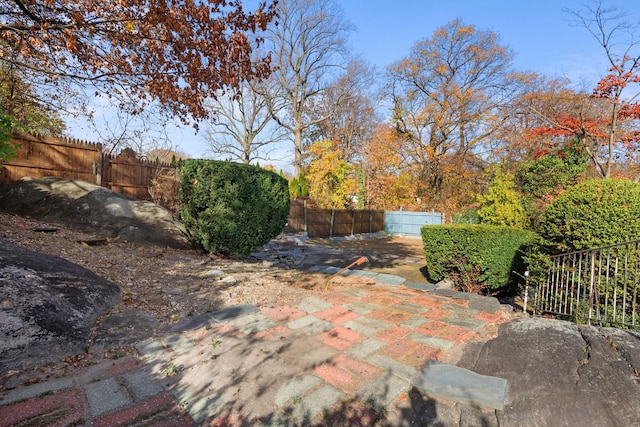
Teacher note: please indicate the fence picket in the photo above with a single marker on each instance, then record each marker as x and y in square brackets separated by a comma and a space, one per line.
[606, 293]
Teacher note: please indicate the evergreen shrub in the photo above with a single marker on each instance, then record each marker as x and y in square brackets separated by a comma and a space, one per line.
[594, 213]
[501, 204]
[231, 208]
[478, 257]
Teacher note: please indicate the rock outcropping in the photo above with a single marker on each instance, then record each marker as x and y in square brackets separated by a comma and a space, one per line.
[47, 306]
[90, 208]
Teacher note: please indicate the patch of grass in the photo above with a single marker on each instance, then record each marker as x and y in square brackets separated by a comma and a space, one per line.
[170, 370]
[215, 343]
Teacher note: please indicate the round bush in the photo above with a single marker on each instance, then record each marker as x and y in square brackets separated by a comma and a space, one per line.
[232, 208]
[591, 214]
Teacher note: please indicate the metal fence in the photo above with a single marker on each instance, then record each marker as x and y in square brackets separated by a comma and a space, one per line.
[594, 286]
[409, 223]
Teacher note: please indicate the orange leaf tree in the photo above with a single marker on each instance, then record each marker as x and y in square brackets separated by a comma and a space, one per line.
[447, 98]
[607, 123]
[389, 182]
[176, 52]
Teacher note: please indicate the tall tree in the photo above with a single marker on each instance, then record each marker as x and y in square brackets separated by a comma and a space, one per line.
[310, 51]
[541, 97]
[242, 127]
[389, 181]
[175, 52]
[619, 91]
[447, 96]
[347, 112]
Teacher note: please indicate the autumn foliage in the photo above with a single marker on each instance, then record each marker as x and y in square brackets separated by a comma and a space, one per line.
[604, 124]
[176, 52]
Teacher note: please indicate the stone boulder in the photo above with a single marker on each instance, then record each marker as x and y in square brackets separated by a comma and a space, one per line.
[90, 208]
[47, 306]
[561, 374]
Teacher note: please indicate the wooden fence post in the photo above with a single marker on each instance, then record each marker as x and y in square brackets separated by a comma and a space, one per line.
[353, 220]
[370, 220]
[333, 215]
[99, 167]
[305, 216]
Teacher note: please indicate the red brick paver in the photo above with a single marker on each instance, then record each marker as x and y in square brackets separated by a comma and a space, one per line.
[390, 315]
[383, 300]
[443, 330]
[283, 314]
[393, 334]
[160, 410]
[59, 409]
[436, 313]
[341, 338]
[411, 352]
[336, 315]
[347, 374]
[427, 301]
[489, 317]
[337, 298]
[271, 333]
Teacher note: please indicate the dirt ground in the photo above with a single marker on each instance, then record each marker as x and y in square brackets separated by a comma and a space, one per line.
[161, 286]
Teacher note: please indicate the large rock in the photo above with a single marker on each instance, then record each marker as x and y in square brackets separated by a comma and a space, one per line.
[562, 374]
[93, 209]
[47, 306]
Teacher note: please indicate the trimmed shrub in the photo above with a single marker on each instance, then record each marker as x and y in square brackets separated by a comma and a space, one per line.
[231, 208]
[593, 213]
[476, 257]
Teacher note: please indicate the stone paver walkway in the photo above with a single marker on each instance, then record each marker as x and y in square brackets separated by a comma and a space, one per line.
[346, 353]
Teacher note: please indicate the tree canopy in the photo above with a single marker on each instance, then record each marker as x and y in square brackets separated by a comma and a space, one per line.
[175, 52]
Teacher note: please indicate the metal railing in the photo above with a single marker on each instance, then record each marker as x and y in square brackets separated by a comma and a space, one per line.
[594, 286]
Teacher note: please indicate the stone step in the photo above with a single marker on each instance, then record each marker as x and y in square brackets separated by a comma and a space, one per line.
[461, 385]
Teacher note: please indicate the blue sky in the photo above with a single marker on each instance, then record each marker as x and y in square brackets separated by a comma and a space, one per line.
[540, 34]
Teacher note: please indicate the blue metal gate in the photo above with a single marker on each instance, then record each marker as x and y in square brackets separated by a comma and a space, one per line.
[409, 223]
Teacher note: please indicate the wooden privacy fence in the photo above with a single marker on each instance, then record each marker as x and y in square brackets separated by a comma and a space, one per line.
[48, 156]
[333, 222]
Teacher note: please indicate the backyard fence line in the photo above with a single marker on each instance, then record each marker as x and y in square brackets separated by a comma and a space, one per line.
[333, 222]
[40, 156]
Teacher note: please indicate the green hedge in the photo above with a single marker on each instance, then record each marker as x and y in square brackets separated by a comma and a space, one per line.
[231, 208]
[593, 213]
[492, 252]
